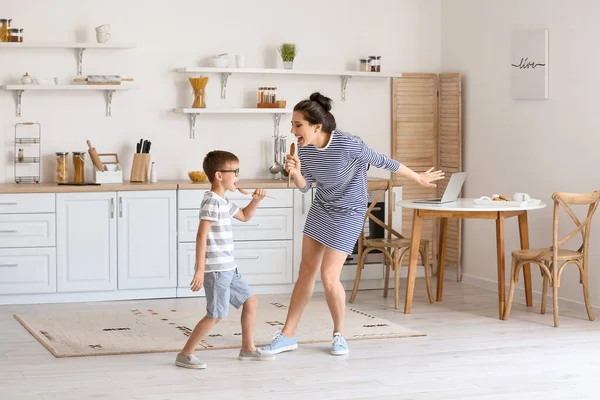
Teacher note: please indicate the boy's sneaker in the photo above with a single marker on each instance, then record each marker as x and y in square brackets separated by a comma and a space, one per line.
[339, 347]
[190, 361]
[256, 355]
[279, 344]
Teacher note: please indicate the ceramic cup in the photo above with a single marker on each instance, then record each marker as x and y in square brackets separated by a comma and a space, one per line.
[103, 28]
[517, 196]
[102, 37]
[240, 60]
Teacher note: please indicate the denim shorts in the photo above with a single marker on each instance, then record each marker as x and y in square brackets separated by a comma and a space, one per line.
[222, 288]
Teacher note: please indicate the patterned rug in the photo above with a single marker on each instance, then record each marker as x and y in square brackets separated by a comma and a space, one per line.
[132, 331]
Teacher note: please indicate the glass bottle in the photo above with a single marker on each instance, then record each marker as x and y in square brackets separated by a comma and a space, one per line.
[364, 65]
[375, 63]
[78, 167]
[5, 29]
[62, 167]
[20, 156]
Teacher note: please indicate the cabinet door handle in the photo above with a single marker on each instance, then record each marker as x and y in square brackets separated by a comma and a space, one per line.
[9, 231]
[112, 208]
[121, 207]
[247, 257]
[246, 224]
[9, 204]
[303, 203]
[9, 265]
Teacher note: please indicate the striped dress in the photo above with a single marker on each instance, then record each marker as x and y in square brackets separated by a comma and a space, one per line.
[336, 215]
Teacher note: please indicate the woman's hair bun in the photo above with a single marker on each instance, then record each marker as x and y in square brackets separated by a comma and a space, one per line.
[324, 101]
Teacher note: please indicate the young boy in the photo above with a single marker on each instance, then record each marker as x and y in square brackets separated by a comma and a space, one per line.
[215, 266]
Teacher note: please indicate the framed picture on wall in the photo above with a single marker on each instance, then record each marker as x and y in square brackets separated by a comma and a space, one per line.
[529, 64]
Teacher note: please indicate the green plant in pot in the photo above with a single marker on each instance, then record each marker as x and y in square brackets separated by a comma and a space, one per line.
[288, 54]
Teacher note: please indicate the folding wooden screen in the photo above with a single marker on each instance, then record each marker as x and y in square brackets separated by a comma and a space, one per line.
[427, 132]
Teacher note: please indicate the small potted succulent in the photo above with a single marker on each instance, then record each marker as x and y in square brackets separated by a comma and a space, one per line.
[288, 54]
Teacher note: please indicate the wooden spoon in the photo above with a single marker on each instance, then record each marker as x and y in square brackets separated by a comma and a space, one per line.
[292, 151]
[242, 191]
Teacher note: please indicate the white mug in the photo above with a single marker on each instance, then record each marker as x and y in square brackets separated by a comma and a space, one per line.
[517, 196]
[103, 28]
[102, 37]
[240, 60]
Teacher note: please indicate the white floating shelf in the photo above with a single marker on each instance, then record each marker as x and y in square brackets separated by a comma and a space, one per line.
[343, 75]
[208, 70]
[234, 110]
[68, 87]
[108, 89]
[79, 48]
[193, 113]
[66, 45]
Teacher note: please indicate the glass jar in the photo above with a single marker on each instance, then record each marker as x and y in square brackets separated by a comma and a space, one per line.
[78, 167]
[5, 29]
[261, 93]
[16, 35]
[364, 65]
[375, 63]
[62, 167]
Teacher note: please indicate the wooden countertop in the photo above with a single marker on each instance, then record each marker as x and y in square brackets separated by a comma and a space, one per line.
[51, 187]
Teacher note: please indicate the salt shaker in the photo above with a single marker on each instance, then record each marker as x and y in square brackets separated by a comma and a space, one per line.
[153, 178]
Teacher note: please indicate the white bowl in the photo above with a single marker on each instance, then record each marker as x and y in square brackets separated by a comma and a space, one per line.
[220, 62]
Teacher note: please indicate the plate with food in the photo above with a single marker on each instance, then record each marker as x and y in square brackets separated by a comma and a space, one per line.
[501, 200]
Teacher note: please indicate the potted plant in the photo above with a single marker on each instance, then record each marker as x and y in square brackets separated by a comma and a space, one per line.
[288, 54]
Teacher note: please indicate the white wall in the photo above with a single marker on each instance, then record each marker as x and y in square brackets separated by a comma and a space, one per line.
[329, 35]
[528, 146]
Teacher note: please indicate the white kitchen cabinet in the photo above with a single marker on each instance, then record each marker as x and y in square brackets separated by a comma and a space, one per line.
[28, 270]
[302, 203]
[27, 230]
[86, 241]
[147, 239]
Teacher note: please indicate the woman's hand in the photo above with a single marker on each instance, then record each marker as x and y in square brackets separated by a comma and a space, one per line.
[292, 165]
[426, 178]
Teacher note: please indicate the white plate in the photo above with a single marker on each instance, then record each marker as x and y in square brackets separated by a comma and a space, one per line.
[488, 202]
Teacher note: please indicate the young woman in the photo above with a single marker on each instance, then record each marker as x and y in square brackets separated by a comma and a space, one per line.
[338, 162]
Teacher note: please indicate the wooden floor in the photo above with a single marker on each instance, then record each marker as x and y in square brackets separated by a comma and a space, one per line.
[467, 354]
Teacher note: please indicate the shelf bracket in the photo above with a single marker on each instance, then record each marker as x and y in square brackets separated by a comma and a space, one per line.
[193, 126]
[276, 120]
[79, 55]
[109, 96]
[19, 99]
[224, 78]
[344, 81]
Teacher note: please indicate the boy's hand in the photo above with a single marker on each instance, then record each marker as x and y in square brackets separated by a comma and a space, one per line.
[198, 281]
[259, 194]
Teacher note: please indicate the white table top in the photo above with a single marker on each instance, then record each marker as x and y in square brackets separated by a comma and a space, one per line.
[467, 205]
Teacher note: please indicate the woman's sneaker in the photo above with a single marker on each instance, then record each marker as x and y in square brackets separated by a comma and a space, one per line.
[190, 361]
[339, 347]
[279, 344]
[256, 355]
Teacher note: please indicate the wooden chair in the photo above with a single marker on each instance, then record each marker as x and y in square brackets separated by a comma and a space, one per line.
[548, 259]
[393, 249]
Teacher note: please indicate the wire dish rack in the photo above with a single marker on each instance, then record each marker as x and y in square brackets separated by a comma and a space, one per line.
[28, 150]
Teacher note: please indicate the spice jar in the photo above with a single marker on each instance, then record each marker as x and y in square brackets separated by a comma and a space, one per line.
[20, 156]
[78, 167]
[364, 65]
[5, 29]
[375, 63]
[16, 35]
[62, 167]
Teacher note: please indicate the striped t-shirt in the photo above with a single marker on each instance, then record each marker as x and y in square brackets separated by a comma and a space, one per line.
[219, 242]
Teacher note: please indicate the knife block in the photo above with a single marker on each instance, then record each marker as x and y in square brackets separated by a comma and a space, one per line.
[139, 167]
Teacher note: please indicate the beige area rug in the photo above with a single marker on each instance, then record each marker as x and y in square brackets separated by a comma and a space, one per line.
[131, 331]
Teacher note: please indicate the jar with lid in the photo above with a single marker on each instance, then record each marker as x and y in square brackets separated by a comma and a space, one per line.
[5, 29]
[261, 94]
[375, 63]
[16, 35]
[62, 167]
[364, 65]
[78, 167]
[20, 156]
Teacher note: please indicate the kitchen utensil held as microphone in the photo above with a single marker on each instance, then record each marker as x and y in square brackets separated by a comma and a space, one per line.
[292, 152]
[94, 156]
[242, 191]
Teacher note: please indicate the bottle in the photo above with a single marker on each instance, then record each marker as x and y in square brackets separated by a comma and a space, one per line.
[153, 177]
[20, 156]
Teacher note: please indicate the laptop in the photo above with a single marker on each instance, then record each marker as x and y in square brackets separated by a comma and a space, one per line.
[452, 190]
